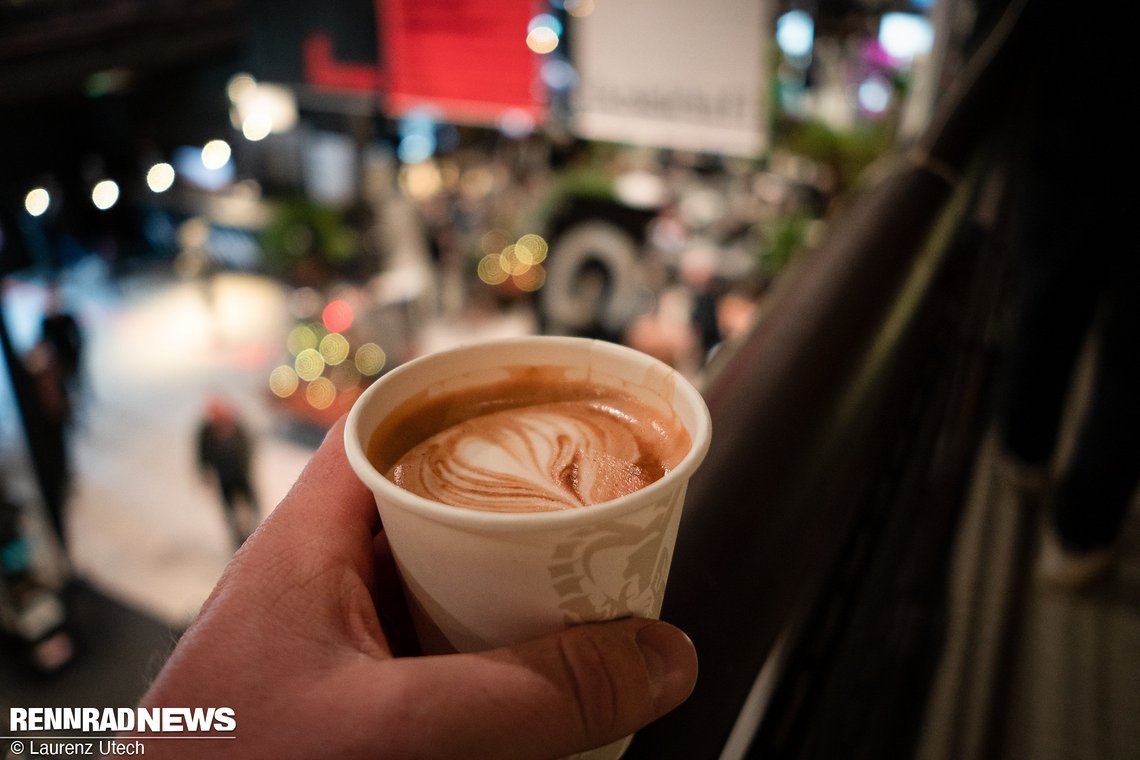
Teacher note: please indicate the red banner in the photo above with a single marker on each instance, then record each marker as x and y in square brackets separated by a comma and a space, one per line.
[468, 59]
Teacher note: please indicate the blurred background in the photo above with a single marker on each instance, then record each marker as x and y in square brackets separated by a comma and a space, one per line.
[221, 220]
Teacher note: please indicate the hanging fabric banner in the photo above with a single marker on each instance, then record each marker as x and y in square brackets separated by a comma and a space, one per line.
[466, 60]
[673, 74]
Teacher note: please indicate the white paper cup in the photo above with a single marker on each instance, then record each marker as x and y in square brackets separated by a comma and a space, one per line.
[478, 579]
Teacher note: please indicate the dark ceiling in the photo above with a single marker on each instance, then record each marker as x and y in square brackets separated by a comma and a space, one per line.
[49, 49]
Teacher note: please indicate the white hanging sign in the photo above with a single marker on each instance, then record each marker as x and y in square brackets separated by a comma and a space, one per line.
[674, 74]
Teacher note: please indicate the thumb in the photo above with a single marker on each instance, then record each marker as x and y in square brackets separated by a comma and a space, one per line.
[565, 693]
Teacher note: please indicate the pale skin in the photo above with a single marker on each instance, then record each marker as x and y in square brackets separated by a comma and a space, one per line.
[291, 638]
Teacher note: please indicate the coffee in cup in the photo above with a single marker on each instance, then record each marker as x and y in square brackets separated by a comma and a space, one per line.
[534, 442]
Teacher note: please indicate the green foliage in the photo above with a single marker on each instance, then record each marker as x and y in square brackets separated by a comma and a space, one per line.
[299, 230]
[781, 239]
[586, 181]
[848, 153]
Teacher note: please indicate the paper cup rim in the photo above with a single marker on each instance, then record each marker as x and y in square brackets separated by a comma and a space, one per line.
[487, 520]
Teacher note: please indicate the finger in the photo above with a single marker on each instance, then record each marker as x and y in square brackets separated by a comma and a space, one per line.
[565, 693]
[328, 510]
[319, 536]
[329, 480]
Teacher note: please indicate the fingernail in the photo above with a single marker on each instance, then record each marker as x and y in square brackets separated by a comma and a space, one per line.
[670, 661]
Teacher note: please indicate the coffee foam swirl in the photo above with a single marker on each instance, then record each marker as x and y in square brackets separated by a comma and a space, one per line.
[548, 456]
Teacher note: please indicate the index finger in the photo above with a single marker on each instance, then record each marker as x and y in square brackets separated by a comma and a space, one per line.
[328, 502]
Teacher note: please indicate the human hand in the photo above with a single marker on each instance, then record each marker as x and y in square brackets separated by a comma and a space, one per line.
[292, 640]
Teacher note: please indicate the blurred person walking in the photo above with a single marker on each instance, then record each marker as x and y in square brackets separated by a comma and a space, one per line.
[225, 453]
[60, 329]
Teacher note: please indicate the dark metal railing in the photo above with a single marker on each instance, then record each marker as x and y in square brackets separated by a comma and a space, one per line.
[843, 430]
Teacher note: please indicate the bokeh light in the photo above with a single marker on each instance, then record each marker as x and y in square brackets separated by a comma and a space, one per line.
[795, 33]
[160, 177]
[875, 94]
[187, 161]
[421, 181]
[370, 359]
[216, 154]
[309, 364]
[490, 269]
[337, 316]
[37, 201]
[415, 148]
[283, 381]
[531, 280]
[579, 8]
[547, 21]
[558, 73]
[260, 109]
[334, 348]
[417, 135]
[510, 262]
[240, 86]
[542, 40]
[531, 249]
[906, 35]
[321, 393]
[256, 126]
[105, 194]
[300, 338]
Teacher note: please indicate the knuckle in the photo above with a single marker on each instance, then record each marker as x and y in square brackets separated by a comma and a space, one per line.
[594, 676]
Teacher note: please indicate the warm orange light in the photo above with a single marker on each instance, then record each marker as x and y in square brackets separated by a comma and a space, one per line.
[321, 393]
[491, 270]
[511, 263]
[531, 249]
[542, 40]
[530, 280]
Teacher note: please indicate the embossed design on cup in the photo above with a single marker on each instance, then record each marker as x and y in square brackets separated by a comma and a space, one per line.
[636, 555]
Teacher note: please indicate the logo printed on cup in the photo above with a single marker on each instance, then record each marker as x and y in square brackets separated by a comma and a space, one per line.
[641, 554]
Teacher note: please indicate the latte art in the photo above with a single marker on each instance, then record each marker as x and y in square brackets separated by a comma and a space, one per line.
[546, 456]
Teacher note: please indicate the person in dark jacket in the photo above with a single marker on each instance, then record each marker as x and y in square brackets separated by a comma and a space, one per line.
[225, 452]
[60, 330]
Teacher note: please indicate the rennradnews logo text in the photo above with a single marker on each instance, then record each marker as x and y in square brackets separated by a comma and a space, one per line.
[101, 720]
